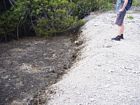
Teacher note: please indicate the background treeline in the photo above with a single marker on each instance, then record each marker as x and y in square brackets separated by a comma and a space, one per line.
[44, 17]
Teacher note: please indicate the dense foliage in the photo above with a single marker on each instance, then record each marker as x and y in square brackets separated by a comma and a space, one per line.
[46, 17]
[136, 2]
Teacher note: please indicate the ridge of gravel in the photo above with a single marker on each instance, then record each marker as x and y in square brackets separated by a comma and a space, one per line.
[108, 72]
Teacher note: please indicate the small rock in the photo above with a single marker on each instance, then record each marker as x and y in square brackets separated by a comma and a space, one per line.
[78, 43]
[16, 103]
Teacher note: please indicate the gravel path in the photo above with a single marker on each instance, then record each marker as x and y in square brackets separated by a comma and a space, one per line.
[108, 72]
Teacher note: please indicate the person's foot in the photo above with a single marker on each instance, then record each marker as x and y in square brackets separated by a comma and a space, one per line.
[122, 36]
[118, 38]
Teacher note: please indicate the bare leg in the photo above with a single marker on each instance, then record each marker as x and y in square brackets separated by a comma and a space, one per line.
[120, 33]
[121, 29]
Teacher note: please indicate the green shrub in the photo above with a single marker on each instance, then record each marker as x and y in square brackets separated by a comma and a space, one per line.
[58, 20]
[47, 17]
[10, 20]
[84, 7]
[136, 3]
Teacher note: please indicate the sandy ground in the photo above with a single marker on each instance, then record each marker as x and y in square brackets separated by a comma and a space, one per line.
[108, 72]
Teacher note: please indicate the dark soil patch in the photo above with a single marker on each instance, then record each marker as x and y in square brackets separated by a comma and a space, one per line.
[30, 65]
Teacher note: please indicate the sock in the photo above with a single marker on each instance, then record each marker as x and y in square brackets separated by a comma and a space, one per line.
[121, 34]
